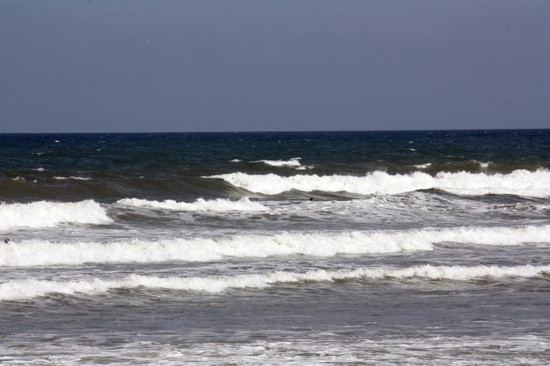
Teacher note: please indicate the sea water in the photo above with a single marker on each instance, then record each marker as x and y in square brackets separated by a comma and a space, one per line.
[419, 248]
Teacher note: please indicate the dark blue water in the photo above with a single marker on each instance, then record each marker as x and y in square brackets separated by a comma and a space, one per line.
[171, 165]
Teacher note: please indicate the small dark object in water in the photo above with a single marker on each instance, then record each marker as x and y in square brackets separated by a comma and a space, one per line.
[6, 241]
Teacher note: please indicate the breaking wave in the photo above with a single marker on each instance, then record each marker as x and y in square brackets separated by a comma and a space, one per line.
[291, 163]
[71, 177]
[44, 253]
[217, 205]
[42, 214]
[519, 182]
[30, 288]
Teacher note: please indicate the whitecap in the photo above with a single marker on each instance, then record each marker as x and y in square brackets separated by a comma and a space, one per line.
[291, 163]
[36, 252]
[423, 166]
[217, 205]
[41, 214]
[22, 289]
[71, 177]
[518, 182]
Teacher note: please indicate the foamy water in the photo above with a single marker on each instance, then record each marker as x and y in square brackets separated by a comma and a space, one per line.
[44, 214]
[30, 288]
[45, 253]
[291, 163]
[519, 182]
[243, 204]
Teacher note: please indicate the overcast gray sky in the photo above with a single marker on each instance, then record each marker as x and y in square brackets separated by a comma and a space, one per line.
[155, 66]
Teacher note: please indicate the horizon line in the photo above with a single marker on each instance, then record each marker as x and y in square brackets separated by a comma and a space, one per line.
[274, 131]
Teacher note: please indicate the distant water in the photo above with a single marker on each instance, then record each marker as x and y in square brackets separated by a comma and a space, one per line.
[419, 248]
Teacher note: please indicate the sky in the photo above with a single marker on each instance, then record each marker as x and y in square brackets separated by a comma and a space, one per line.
[273, 65]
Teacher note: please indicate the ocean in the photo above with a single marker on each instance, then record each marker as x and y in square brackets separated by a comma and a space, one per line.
[365, 248]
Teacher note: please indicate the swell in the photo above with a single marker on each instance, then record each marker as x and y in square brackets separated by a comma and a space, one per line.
[108, 187]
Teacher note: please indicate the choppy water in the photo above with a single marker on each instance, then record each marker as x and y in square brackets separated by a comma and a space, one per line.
[276, 248]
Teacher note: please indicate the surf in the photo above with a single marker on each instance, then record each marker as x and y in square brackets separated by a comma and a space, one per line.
[23, 289]
[216, 205]
[44, 214]
[519, 182]
[38, 252]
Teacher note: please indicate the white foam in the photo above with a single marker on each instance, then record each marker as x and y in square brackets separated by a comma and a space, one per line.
[71, 177]
[294, 162]
[291, 163]
[494, 236]
[41, 214]
[30, 288]
[322, 348]
[44, 253]
[519, 182]
[423, 166]
[484, 165]
[217, 205]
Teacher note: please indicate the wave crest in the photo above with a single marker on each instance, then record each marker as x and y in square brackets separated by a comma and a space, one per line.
[42, 214]
[44, 253]
[217, 205]
[291, 163]
[30, 288]
[519, 182]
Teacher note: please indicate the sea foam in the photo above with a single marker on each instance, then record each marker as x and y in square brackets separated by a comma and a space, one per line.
[291, 163]
[44, 253]
[518, 182]
[30, 288]
[217, 205]
[71, 177]
[41, 214]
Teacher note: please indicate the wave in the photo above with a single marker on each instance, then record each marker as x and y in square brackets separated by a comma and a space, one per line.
[484, 165]
[217, 205]
[518, 182]
[423, 166]
[30, 288]
[42, 214]
[109, 186]
[71, 177]
[44, 253]
[18, 179]
[291, 163]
